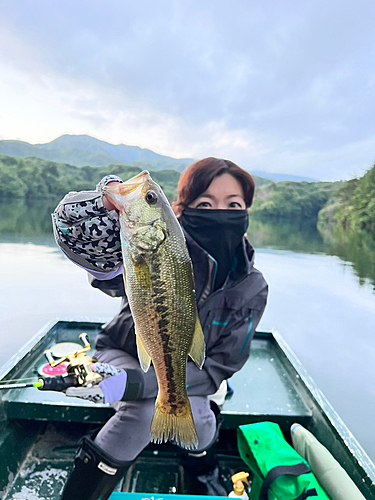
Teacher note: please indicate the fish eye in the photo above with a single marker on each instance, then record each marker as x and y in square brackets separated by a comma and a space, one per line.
[151, 197]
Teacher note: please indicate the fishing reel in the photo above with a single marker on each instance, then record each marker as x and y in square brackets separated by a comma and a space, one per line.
[78, 371]
[78, 368]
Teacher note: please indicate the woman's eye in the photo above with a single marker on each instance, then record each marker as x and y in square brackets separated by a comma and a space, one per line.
[204, 204]
[235, 204]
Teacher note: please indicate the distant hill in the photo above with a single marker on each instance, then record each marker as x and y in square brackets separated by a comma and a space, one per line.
[282, 177]
[291, 200]
[82, 150]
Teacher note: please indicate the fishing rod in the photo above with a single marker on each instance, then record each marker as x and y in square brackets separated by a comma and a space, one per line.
[78, 371]
[38, 384]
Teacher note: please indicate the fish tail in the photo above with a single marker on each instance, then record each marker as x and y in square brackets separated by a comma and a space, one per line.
[178, 426]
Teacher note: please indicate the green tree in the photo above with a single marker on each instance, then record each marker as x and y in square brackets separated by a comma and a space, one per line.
[11, 186]
[291, 200]
[363, 201]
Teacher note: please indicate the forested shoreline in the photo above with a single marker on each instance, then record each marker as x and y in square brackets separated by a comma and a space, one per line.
[353, 205]
[33, 178]
[349, 205]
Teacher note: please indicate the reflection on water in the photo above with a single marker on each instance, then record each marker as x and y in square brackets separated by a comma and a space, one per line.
[356, 248]
[285, 235]
[26, 218]
[32, 219]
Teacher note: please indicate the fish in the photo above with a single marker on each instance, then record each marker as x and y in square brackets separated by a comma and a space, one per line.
[159, 284]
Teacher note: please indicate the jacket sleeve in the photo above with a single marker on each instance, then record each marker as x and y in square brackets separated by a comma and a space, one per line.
[113, 287]
[88, 233]
[230, 351]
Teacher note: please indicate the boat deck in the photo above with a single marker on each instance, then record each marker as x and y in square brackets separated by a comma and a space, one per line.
[157, 470]
[39, 430]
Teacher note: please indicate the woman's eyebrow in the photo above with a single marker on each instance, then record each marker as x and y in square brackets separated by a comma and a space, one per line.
[206, 196]
[212, 197]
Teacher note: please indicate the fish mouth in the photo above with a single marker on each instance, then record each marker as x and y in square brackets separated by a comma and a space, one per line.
[134, 183]
[119, 194]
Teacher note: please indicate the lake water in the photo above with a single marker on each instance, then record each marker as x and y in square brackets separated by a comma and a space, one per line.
[321, 300]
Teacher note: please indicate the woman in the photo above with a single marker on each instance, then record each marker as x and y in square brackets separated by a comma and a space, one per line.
[214, 197]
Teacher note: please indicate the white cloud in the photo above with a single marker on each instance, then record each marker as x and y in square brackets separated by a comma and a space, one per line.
[288, 89]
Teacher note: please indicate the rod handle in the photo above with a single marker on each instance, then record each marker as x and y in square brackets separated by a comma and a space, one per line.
[57, 383]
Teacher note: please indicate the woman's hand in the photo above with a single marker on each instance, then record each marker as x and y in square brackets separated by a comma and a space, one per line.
[109, 390]
[106, 203]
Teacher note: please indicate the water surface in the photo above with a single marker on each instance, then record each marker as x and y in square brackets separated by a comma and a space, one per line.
[321, 300]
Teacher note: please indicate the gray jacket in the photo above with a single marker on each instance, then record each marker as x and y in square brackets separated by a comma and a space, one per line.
[229, 316]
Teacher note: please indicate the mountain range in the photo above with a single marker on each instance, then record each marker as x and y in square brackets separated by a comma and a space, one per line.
[81, 150]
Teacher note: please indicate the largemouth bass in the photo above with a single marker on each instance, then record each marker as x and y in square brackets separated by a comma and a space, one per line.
[159, 284]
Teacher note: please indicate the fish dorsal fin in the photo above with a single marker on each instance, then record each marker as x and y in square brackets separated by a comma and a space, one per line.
[197, 349]
[143, 356]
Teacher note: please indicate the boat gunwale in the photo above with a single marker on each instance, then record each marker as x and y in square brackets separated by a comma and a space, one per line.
[328, 413]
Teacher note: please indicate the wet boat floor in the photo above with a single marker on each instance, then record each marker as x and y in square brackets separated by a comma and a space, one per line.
[158, 469]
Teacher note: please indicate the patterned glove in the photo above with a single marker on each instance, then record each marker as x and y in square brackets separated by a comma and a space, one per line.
[109, 390]
[86, 232]
[106, 180]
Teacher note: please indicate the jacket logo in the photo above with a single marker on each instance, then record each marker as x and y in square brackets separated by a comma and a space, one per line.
[107, 469]
[248, 333]
[220, 321]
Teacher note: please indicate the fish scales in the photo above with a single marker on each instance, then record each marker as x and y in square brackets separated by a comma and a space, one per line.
[162, 308]
[160, 287]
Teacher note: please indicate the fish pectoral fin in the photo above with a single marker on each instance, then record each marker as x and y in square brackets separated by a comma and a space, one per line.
[142, 273]
[197, 349]
[143, 356]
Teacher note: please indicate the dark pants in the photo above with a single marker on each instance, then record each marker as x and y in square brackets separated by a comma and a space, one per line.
[126, 433]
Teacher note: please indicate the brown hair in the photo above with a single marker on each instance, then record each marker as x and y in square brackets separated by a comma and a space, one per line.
[196, 178]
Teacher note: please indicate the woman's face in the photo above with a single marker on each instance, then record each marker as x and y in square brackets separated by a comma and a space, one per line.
[224, 192]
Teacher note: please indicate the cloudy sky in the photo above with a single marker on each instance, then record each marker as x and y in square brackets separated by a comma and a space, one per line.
[282, 86]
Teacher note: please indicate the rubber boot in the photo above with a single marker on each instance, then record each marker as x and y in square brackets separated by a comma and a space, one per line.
[95, 473]
[201, 468]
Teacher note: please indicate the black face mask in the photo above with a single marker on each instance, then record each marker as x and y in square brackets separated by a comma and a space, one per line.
[219, 232]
